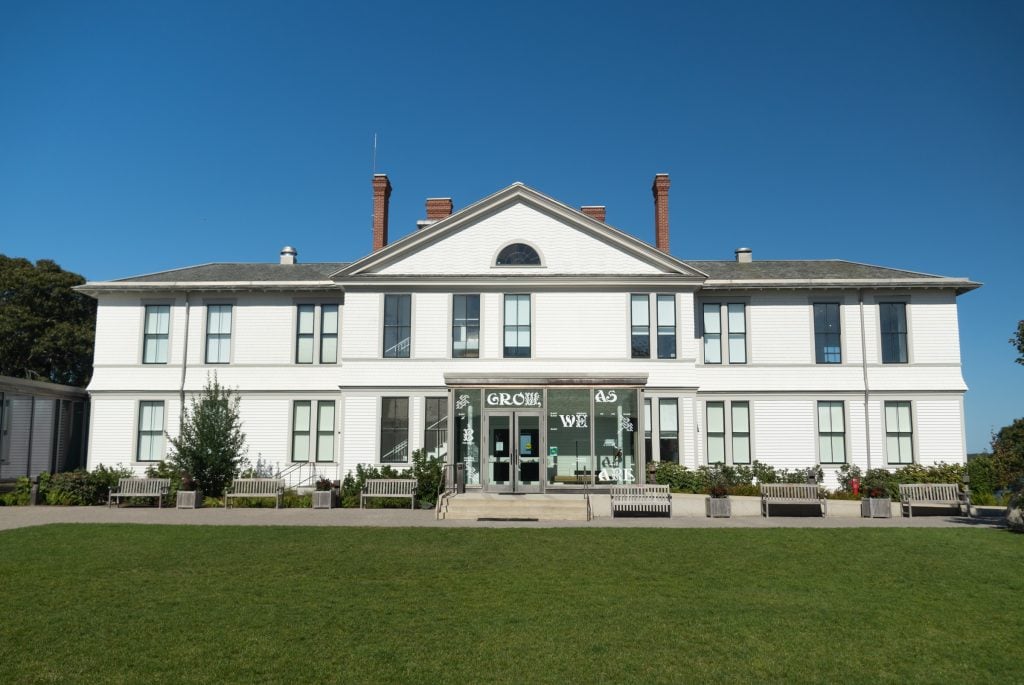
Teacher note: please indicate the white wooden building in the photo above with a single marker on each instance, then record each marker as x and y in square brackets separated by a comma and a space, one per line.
[540, 348]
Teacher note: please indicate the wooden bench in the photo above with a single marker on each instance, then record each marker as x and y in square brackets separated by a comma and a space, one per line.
[654, 499]
[931, 495]
[791, 493]
[255, 487]
[389, 487]
[140, 487]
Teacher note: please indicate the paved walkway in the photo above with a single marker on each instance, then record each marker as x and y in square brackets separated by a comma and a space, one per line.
[20, 517]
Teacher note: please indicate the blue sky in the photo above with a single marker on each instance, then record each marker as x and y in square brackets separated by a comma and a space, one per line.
[136, 137]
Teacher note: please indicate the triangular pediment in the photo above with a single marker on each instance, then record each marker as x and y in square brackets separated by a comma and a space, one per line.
[467, 243]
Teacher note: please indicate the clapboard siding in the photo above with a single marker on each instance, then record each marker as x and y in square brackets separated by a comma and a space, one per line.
[361, 326]
[779, 329]
[491, 336]
[263, 331]
[939, 431]
[563, 248]
[359, 434]
[118, 331]
[432, 333]
[581, 325]
[934, 333]
[266, 422]
[784, 433]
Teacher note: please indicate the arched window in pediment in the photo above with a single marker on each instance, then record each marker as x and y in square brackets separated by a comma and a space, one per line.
[518, 254]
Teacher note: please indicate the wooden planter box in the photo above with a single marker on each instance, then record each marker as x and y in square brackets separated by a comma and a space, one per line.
[189, 499]
[876, 508]
[718, 507]
[323, 499]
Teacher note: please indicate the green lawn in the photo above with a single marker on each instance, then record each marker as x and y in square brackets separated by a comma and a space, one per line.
[123, 603]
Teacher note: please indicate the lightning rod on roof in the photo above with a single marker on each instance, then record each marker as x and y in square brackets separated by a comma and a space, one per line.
[373, 163]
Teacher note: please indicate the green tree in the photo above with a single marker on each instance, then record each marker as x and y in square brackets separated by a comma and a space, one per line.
[1008, 455]
[211, 446]
[46, 328]
[1018, 341]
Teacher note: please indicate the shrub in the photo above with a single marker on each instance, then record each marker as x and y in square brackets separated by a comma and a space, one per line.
[352, 485]
[428, 472]
[20, 495]
[81, 488]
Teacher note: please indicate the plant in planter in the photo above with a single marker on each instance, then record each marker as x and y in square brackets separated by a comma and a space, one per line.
[189, 496]
[323, 496]
[876, 502]
[717, 504]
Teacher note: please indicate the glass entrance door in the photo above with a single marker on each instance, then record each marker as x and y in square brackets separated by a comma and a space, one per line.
[515, 453]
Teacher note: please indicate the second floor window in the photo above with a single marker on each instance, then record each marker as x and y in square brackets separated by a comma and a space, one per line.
[309, 318]
[218, 333]
[465, 326]
[640, 326]
[157, 327]
[666, 326]
[397, 326]
[735, 316]
[827, 348]
[517, 325]
[893, 320]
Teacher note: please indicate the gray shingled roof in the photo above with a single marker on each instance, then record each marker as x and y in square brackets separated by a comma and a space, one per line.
[228, 272]
[824, 269]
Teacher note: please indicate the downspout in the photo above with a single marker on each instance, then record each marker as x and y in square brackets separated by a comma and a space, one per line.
[864, 369]
[184, 367]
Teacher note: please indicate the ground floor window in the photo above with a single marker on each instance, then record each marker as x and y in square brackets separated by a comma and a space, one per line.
[313, 438]
[435, 432]
[394, 430]
[899, 433]
[151, 431]
[831, 433]
[728, 432]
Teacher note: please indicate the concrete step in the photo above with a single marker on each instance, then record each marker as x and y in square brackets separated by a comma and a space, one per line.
[536, 507]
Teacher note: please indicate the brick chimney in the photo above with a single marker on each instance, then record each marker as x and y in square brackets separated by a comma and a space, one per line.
[660, 190]
[594, 212]
[438, 208]
[381, 198]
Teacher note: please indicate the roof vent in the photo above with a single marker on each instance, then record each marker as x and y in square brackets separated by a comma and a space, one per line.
[744, 254]
[289, 255]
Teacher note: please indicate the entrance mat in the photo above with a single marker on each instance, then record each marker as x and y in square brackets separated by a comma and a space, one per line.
[507, 518]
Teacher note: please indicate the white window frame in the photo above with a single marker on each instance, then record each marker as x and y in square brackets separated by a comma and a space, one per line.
[726, 353]
[314, 431]
[427, 430]
[822, 432]
[898, 433]
[317, 334]
[408, 429]
[384, 326]
[518, 325]
[220, 335]
[906, 322]
[729, 434]
[150, 431]
[465, 327]
[815, 333]
[146, 307]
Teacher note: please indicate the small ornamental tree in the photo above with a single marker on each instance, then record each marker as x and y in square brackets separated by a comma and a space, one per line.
[211, 446]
